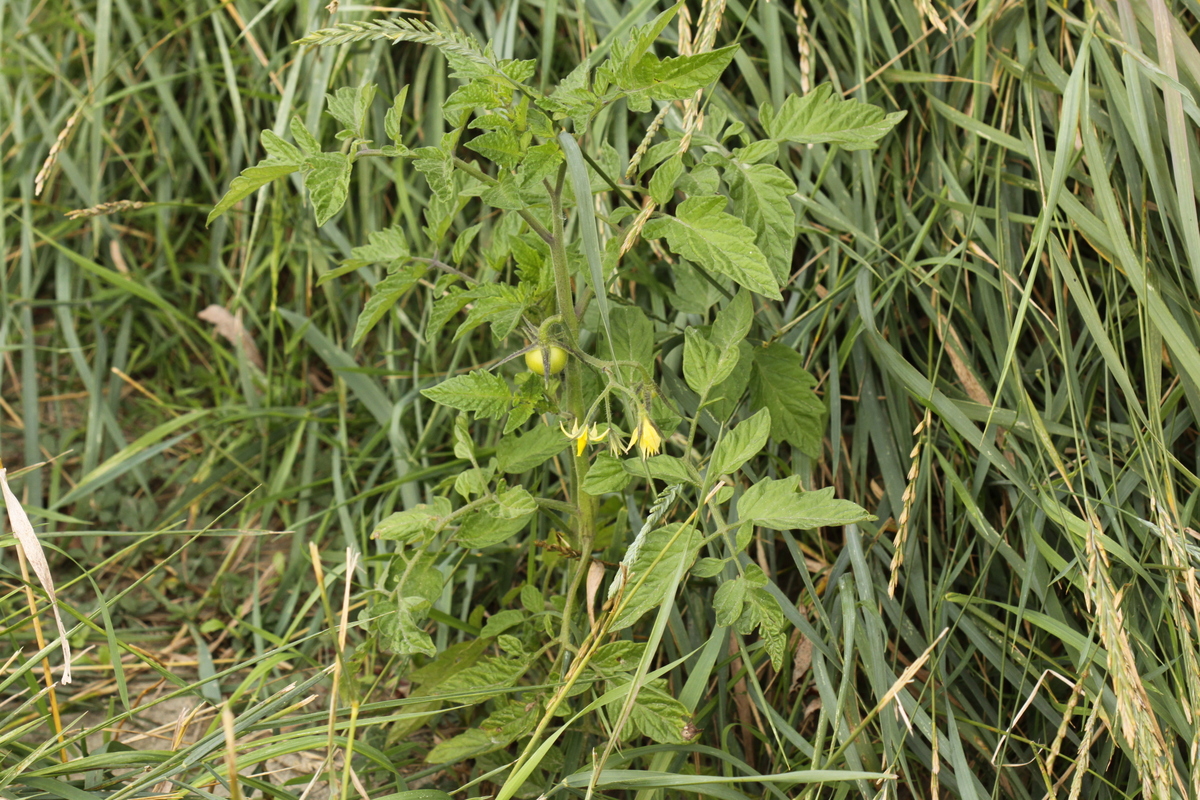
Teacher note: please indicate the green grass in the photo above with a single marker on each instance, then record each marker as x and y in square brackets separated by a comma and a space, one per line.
[998, 303]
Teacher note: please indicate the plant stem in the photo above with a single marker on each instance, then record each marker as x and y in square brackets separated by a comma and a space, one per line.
[586, 528]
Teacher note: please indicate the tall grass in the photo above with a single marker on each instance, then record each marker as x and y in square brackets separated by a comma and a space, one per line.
[998, 303]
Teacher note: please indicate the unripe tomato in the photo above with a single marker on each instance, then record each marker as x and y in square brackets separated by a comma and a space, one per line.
[558, 360]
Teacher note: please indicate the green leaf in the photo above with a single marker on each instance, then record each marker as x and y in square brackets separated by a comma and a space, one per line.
[488, 673]
[541, 161]
[728, 600]
[632, 340]
[708, 567]
[469, 743]
[499, 304]
[740, 444]
[385, 295]
[388, 246]
[733, 321]
[282, 159]
[615, 657]
[704, 364]
[498, 521]
[517, 454]
[307, 143]
[776, 504]
[417, 523]
[501, 621]
[662, 184]
[394, 119]
[820, 117]
[761, 610]
[397, 626]
[760, 195]
[780, 382]
[500, 146]
[532, 599]
[351, 107]
[659, 716]
[664, 468]
[479, 391]
[606, 474]
[327, 178]
[675, 78]
[657, 561]
[474, 481]
[702, 232]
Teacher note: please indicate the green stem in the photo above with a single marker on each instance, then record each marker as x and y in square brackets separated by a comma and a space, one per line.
[586, 531]
[530, 219]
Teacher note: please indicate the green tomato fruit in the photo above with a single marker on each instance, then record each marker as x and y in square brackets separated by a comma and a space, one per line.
[558, 360]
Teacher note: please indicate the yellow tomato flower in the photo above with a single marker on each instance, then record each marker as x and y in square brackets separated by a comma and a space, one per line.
[645, 436]
[582, 434]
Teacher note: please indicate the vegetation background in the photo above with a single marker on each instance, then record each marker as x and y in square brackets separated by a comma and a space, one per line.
[998, 303]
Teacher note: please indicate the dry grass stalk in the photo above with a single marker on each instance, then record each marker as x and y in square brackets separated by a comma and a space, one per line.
[39, 182]
[910, 494]
[31, 549]
[105, 208]
[1135, 721]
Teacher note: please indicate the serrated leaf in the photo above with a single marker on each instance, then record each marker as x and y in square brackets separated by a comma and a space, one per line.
[820, 117]
[500, 146]
[443, 309]
[760, 195]
[499, 304]
[415, 524]
[776, 504]
[388, 246]
[480, 391]
[385, 295]
[517, 454]
[606, 474]
[740, 444]
[476, 94]
[702, 232]
[350, 106]
[761, 610]
[541, 161]
[675, 78]
[307, 143]
[327, 178]
[780, 382]
[282, 159]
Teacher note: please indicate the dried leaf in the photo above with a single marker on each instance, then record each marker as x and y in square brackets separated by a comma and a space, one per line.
[28, 542]
[232, 329]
